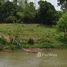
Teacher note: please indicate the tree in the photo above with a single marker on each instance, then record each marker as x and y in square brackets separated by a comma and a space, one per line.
[2, 1]
[29, 13]
[62, 24]
[46, 13]
[15, 2]
[6, 10]
[63, 4]
[58, 15]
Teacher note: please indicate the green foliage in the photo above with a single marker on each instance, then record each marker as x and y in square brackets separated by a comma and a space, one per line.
[31, 36]
[59, 14]
[29, 12]
[6, 10]
[11, 19]
[46, 13]
[23, 11]
[62, 23]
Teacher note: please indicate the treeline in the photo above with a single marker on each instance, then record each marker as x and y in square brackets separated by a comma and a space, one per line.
[15, 12]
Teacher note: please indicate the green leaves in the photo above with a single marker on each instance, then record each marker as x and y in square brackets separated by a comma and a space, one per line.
[46, 13]
[62, 23]
[6, 10]
[29, 12]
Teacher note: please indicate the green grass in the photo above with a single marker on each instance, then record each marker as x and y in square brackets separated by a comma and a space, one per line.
[33, 35]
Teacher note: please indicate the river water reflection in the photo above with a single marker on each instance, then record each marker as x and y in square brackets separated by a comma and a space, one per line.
[47, 58]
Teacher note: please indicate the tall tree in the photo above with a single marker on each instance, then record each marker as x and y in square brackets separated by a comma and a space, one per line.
[29, 12]
[62, 24]
[15, 2]
[46, 13]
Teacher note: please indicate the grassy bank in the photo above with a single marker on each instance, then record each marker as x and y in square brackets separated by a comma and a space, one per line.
[14, 36]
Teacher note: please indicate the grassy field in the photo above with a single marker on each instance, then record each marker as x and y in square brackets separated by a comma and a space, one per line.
[30, 35]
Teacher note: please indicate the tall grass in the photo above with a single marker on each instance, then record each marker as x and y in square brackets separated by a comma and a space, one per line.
[34, 34]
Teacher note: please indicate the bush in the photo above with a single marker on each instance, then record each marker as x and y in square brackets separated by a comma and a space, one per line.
[62, 24]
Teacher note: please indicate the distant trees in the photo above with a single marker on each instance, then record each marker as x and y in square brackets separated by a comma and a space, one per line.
[6, 10]
[29, 13]
[15, 2]
[16, 11]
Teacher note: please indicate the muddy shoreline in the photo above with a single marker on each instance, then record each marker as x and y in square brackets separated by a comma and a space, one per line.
[31, 50]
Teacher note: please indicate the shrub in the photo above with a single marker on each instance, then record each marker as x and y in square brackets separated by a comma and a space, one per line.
[62, 24]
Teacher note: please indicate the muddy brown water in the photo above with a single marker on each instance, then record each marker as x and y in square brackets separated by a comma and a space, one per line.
[47, 58]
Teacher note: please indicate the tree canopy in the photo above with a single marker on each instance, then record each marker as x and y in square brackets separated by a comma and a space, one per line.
[46, 13]
[62, 24]
[26, 12]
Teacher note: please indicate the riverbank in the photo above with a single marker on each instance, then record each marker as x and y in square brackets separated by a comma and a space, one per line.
[31, 50]
[18, 36]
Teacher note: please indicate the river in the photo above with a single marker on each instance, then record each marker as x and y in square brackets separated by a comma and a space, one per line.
[47, 58]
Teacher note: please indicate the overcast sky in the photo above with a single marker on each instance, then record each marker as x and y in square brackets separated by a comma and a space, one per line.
[54, 2]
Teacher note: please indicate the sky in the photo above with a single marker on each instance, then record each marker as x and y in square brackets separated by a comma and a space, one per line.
[54, 2]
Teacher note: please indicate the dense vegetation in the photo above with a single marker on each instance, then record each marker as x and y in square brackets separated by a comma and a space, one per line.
[15, 36]
[25, 12]
[29, 27]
